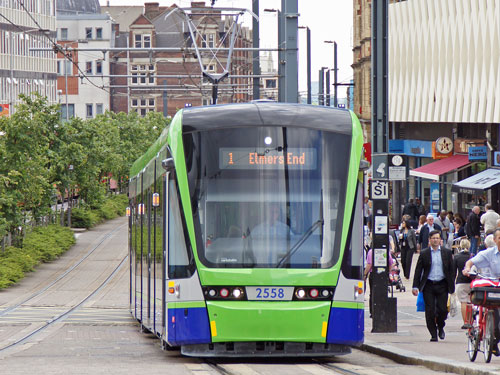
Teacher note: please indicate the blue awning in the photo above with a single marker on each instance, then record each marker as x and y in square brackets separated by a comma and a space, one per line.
[478, 183]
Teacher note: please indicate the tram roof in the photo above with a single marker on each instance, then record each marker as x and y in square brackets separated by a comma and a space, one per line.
[266, 114]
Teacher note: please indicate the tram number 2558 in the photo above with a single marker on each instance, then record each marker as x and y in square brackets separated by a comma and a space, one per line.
[270, 293]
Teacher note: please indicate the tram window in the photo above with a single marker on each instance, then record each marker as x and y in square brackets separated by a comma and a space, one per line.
[178, 259]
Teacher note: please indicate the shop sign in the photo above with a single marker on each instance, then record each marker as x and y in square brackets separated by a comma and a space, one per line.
[461, 145]
[478, 153]
[4, 110]
[367, 149]
[435, 197]
[496, 158]
[410, 147]
[397, 173]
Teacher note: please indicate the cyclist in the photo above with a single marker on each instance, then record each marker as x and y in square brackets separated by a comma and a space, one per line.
[489, 258]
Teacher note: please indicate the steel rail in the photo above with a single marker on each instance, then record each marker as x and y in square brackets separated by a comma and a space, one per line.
[68, 312]
[11, 308]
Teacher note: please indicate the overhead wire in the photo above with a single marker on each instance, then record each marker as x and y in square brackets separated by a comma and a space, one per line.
[58, 48]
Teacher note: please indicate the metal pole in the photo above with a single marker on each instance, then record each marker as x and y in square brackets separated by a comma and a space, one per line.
[290, 16]
[66, 82]
[384, 309]
[281, 57]
[128, 72]
[327, 72]
[309, 96]
[11, 50]
[255, 53]
[320, 88]
[165, 103]
[335, 70]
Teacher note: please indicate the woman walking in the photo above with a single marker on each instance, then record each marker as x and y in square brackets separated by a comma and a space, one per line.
[462, 282]
[408, 245]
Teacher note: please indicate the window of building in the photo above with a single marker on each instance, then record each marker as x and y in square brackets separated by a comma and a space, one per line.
[134, 102]
[143, 105]
[88, 33]
[98, 67]
[63, 33]
[68, 65]
[70, 110]
[88, 67]
[89, 112]
[142, 41]
[206, 101]
[99, 109]
[208, 40]
[209, 68]
[59, 67]
[151, 102]
[142, 74]
[98, 33]
[270, 83]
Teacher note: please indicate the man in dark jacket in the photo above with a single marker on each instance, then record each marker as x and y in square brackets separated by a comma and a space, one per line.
[420, 207]
[423, 237]
[473, 229]
[411, 209]
[434, 277]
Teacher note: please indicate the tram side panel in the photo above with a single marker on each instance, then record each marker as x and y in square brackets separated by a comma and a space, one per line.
[187, 318]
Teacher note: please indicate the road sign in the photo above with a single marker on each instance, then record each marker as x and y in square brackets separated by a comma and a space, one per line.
[397, 173]
[380, 165]
[379, 189]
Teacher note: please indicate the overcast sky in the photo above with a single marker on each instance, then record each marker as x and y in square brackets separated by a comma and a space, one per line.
[327, 19]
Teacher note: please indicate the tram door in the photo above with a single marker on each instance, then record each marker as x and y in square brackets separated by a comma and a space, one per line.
[183, 297]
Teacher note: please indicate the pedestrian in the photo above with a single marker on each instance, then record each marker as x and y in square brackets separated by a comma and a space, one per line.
[421, 222]
[473, 229]
[408, 245]
[434, 278]
[423, 238]
[410, 209]
[368, 274]
[367, 211]
[443, 221]
[462, 282]
[489, 219]
[420, 207]
[498, 223]
[459, 229]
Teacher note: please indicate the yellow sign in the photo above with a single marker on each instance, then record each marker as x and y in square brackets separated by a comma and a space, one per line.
[4, 110]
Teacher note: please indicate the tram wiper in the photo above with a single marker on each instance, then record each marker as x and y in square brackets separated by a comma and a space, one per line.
[299, 243]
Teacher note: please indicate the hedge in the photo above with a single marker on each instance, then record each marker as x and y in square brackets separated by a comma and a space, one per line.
[43, 244]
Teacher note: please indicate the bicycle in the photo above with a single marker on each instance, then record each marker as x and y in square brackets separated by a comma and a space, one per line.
[485, 298]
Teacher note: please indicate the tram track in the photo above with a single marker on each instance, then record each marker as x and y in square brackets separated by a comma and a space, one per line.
[64, 274]
[61, 316]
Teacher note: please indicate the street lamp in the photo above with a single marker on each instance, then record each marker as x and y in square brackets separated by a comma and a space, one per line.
[335, 69]
[309, 98]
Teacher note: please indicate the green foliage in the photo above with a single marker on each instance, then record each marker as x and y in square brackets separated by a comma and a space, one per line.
[113, 206]
[40, 156]
[84, 218]
[41, 245]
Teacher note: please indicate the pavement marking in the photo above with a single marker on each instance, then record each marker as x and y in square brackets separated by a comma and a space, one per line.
[316, 370]
[239, 369]
[197, 368]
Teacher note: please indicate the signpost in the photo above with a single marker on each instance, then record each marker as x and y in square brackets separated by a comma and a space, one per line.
[383, 308]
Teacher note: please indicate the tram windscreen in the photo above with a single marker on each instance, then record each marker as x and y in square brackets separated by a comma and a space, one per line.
[268, 196]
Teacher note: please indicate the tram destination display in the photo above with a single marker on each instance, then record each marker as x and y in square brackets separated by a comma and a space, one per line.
[267, 158]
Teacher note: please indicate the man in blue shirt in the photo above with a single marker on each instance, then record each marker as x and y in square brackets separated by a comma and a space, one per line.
[434, 277]
[489, 258]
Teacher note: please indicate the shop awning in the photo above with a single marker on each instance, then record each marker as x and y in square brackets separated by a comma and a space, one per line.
[433, 170]
[478, 183]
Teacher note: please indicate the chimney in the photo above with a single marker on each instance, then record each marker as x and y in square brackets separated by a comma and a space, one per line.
[151, 10]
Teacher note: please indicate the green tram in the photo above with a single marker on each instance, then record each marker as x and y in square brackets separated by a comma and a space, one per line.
[245, 232]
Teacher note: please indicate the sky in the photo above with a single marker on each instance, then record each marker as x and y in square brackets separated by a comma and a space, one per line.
[327, 20]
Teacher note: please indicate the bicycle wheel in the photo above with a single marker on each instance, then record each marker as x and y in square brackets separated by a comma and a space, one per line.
[472, 343]
[489, 336]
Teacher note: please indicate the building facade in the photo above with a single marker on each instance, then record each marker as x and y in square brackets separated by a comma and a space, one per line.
[166, 81]
[444, 97]
[22, 70]
[83, 82]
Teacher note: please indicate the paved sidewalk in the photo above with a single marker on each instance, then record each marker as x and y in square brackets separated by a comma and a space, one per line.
[410, 345]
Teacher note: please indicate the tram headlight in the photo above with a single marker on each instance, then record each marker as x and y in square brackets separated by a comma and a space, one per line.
[237, 292]
[212, 292]
[224, 293]
[301, 293]
[325, 293]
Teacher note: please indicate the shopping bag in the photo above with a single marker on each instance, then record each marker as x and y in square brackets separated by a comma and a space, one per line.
[420, 302]
[453, 304]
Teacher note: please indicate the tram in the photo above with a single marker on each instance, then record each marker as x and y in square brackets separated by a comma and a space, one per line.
[245, 232]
